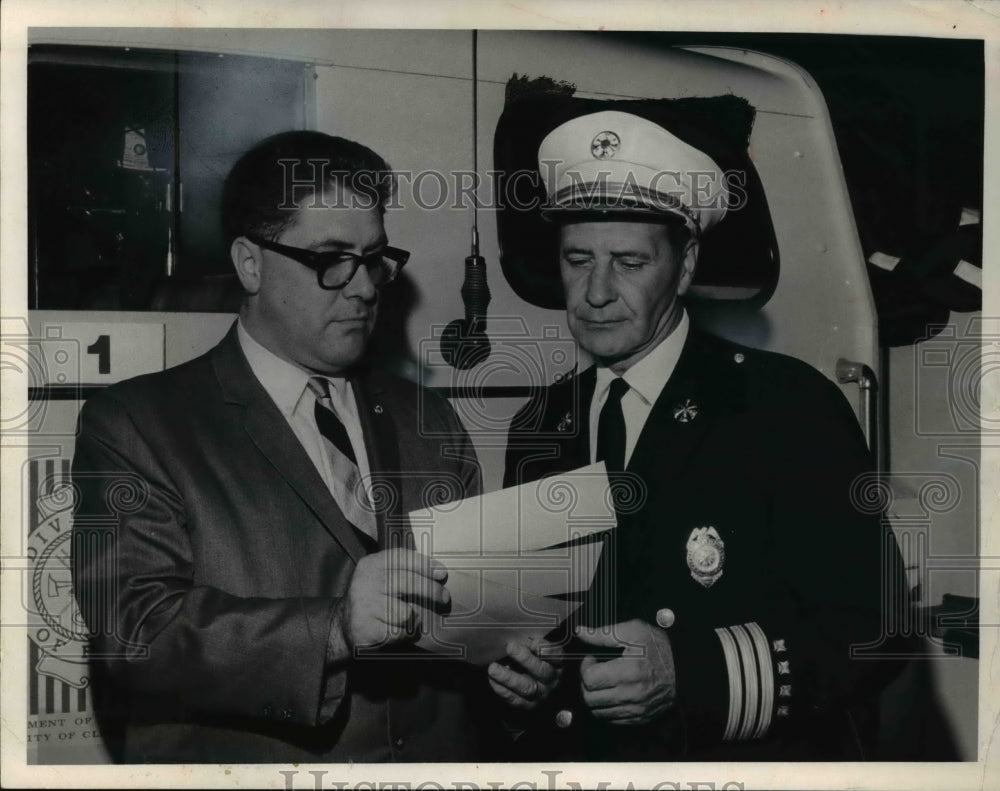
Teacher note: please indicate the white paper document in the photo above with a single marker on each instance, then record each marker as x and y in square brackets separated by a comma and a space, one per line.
[519, 560]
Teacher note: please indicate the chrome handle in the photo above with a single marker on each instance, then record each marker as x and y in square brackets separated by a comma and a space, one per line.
[850, 371]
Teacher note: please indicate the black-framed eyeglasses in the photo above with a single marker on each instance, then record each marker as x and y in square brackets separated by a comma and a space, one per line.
[335, 269]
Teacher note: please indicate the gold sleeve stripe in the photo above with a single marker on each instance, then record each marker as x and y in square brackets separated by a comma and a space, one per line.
[731, 654]
[766, 679]
[751, 680]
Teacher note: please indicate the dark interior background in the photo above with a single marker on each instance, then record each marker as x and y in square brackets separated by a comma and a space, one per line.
[908, 117]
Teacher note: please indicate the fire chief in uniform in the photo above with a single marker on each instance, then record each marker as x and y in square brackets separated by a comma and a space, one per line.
[241, 554]
[745, 568]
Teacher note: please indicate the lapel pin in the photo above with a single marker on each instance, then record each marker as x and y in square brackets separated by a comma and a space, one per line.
[565, 422]
[686, 412]
[378, 409]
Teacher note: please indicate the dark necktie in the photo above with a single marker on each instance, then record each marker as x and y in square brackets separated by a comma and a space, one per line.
[329, 424]
[611, 428]
[348, 488]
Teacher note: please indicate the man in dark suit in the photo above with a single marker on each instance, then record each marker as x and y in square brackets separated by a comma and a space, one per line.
[241, 553]
[747, 576]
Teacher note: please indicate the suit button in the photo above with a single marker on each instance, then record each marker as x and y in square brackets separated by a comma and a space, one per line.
[564, 718]
[400, 742]
[268, 711]
[665, 618]
[286, 714]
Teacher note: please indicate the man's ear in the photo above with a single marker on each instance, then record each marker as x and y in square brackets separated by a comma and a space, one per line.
[248, 261]
[688, 265]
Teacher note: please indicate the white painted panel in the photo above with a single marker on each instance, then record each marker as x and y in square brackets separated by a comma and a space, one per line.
[185, 335]
[423, 126]
[617, 68]
[93, 352]
[426, 52]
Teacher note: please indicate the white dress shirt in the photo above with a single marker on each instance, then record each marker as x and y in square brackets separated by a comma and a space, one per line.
[288, 386]
[646, 380]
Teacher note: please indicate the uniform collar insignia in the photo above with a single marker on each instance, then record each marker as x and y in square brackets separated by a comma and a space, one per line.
[686, 411]
[565, 422]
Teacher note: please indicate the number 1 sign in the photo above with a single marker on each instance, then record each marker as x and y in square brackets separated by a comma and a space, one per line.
[106, 352]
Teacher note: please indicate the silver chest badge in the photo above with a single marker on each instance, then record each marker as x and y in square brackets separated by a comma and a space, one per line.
[706, 553]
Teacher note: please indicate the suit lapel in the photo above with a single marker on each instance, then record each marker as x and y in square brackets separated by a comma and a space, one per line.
[573, 424]
[382, 449]
[696, 395]
[700, 390]
[269, 431]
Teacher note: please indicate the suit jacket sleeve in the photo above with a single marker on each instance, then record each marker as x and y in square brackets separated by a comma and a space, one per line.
[158, 631]
[457, 449]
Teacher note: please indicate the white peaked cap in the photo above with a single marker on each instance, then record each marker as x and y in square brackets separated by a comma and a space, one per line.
[622, 165]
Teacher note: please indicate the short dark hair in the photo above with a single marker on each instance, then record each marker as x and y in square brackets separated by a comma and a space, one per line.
[255, 196]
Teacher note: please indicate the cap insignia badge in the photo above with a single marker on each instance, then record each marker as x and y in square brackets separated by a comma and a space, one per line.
[605, 145]
[686, 412]
[706, 554]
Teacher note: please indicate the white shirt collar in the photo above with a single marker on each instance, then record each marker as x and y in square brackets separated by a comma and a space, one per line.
[649, 376]
[285, 382]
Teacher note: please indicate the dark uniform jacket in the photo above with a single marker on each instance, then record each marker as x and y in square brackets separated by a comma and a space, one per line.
[209, 557]
[747, 510]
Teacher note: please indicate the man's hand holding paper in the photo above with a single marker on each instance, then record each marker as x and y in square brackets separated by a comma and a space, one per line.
[380, 605]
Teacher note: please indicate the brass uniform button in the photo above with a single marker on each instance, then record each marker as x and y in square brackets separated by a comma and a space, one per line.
[665, 618]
